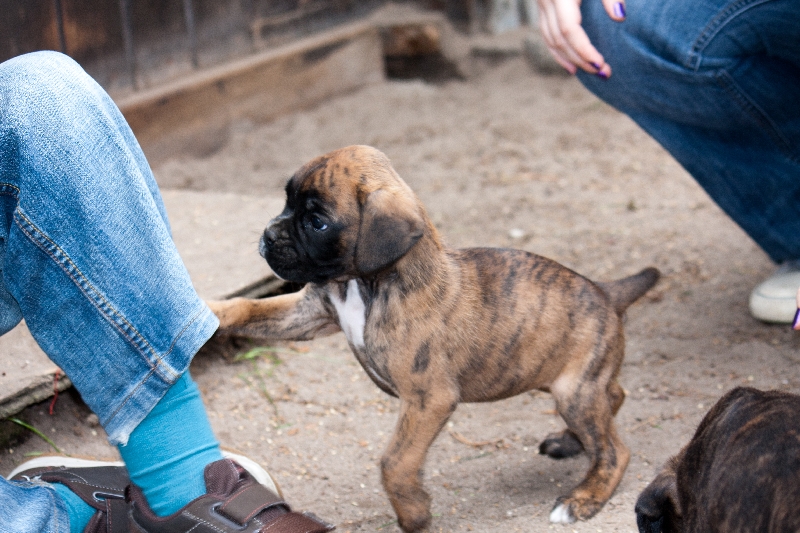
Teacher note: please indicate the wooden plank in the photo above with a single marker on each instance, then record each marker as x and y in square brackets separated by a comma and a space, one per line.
[192, 115]
[27, 376]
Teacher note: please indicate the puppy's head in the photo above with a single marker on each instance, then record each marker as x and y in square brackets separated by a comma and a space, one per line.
[348, 214]
[658, 508]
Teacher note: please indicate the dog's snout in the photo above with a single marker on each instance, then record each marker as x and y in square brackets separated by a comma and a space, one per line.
[268, 239]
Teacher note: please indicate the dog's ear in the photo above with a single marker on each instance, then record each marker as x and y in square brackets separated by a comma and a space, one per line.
[390, 226]
[658, 508]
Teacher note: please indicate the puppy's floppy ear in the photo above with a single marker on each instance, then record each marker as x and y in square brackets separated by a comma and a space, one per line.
[658, 507]
[390, 226]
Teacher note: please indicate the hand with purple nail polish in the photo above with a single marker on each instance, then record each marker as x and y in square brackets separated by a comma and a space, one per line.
[560, 24]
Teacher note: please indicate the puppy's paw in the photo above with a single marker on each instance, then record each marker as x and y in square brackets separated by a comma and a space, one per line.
[561, 445]
[568, 510]
[416, 524]
[561, 514]
[410, 501]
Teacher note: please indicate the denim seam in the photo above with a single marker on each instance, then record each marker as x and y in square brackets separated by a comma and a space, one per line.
[124, 402]
[751, 108]
[152, 370]
[715, 26]
[111, 314]
[8, 189]
[182, 331]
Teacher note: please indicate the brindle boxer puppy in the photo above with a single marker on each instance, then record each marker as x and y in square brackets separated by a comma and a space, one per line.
[436, 326]
[739, 473]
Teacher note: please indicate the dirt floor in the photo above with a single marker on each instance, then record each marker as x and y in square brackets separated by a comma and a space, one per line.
[506, 157]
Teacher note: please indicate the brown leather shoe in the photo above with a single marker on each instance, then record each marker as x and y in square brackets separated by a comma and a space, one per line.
[101, 484]
[234, 502]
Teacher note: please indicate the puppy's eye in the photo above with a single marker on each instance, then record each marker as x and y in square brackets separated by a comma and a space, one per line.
[318, 224]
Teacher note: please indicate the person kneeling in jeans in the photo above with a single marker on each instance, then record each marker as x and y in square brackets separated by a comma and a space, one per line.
[717, 83]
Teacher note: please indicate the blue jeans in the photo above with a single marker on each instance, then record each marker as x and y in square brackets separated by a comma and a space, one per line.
[86, 257]
[717, 83]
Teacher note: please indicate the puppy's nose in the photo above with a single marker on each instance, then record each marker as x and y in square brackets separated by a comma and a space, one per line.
[269, 237]
[267, 241]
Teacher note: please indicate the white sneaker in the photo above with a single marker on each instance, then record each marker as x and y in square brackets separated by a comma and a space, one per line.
[775, 300]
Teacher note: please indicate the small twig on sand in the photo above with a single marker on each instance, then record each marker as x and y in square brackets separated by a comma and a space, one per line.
[463, 440]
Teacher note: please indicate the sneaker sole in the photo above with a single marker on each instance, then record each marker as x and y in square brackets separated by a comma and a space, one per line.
[61, 460]
[255, 469]
[773, 310]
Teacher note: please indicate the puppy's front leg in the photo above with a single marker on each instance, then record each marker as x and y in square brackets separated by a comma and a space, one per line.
[295, 316]
[421, 419]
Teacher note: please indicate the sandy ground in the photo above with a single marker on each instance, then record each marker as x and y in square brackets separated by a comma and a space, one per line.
[507, 157]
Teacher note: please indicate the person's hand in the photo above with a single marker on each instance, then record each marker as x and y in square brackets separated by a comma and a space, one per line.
[560, 23]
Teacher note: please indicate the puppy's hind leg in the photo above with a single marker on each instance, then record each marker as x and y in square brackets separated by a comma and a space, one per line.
[588, 409]
[565, 443]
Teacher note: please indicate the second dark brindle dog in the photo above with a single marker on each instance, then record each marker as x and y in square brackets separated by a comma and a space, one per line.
[436, 326]
[740, 473]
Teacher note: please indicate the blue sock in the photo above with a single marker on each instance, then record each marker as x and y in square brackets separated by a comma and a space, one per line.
[168, 451]
[78, 510]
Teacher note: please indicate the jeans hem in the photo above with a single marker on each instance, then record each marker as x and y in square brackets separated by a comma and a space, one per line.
[138, 404]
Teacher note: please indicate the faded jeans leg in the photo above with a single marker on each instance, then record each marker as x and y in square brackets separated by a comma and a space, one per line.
[86, 255]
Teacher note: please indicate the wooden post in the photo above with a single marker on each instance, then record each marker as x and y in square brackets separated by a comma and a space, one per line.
[191, 31]
[127, 40]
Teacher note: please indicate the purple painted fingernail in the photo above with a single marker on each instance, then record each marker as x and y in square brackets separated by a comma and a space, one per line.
[796, 321]
[619, 10]
[595, 65]
[602, 75]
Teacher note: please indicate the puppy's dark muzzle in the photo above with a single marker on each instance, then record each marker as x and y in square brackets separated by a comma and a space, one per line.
[267, 242]
[280, 254]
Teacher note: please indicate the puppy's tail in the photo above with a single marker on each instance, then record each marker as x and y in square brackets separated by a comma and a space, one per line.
[623, 292]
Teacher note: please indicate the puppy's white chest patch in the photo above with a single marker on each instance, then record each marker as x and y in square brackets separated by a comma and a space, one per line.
[352, 313]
